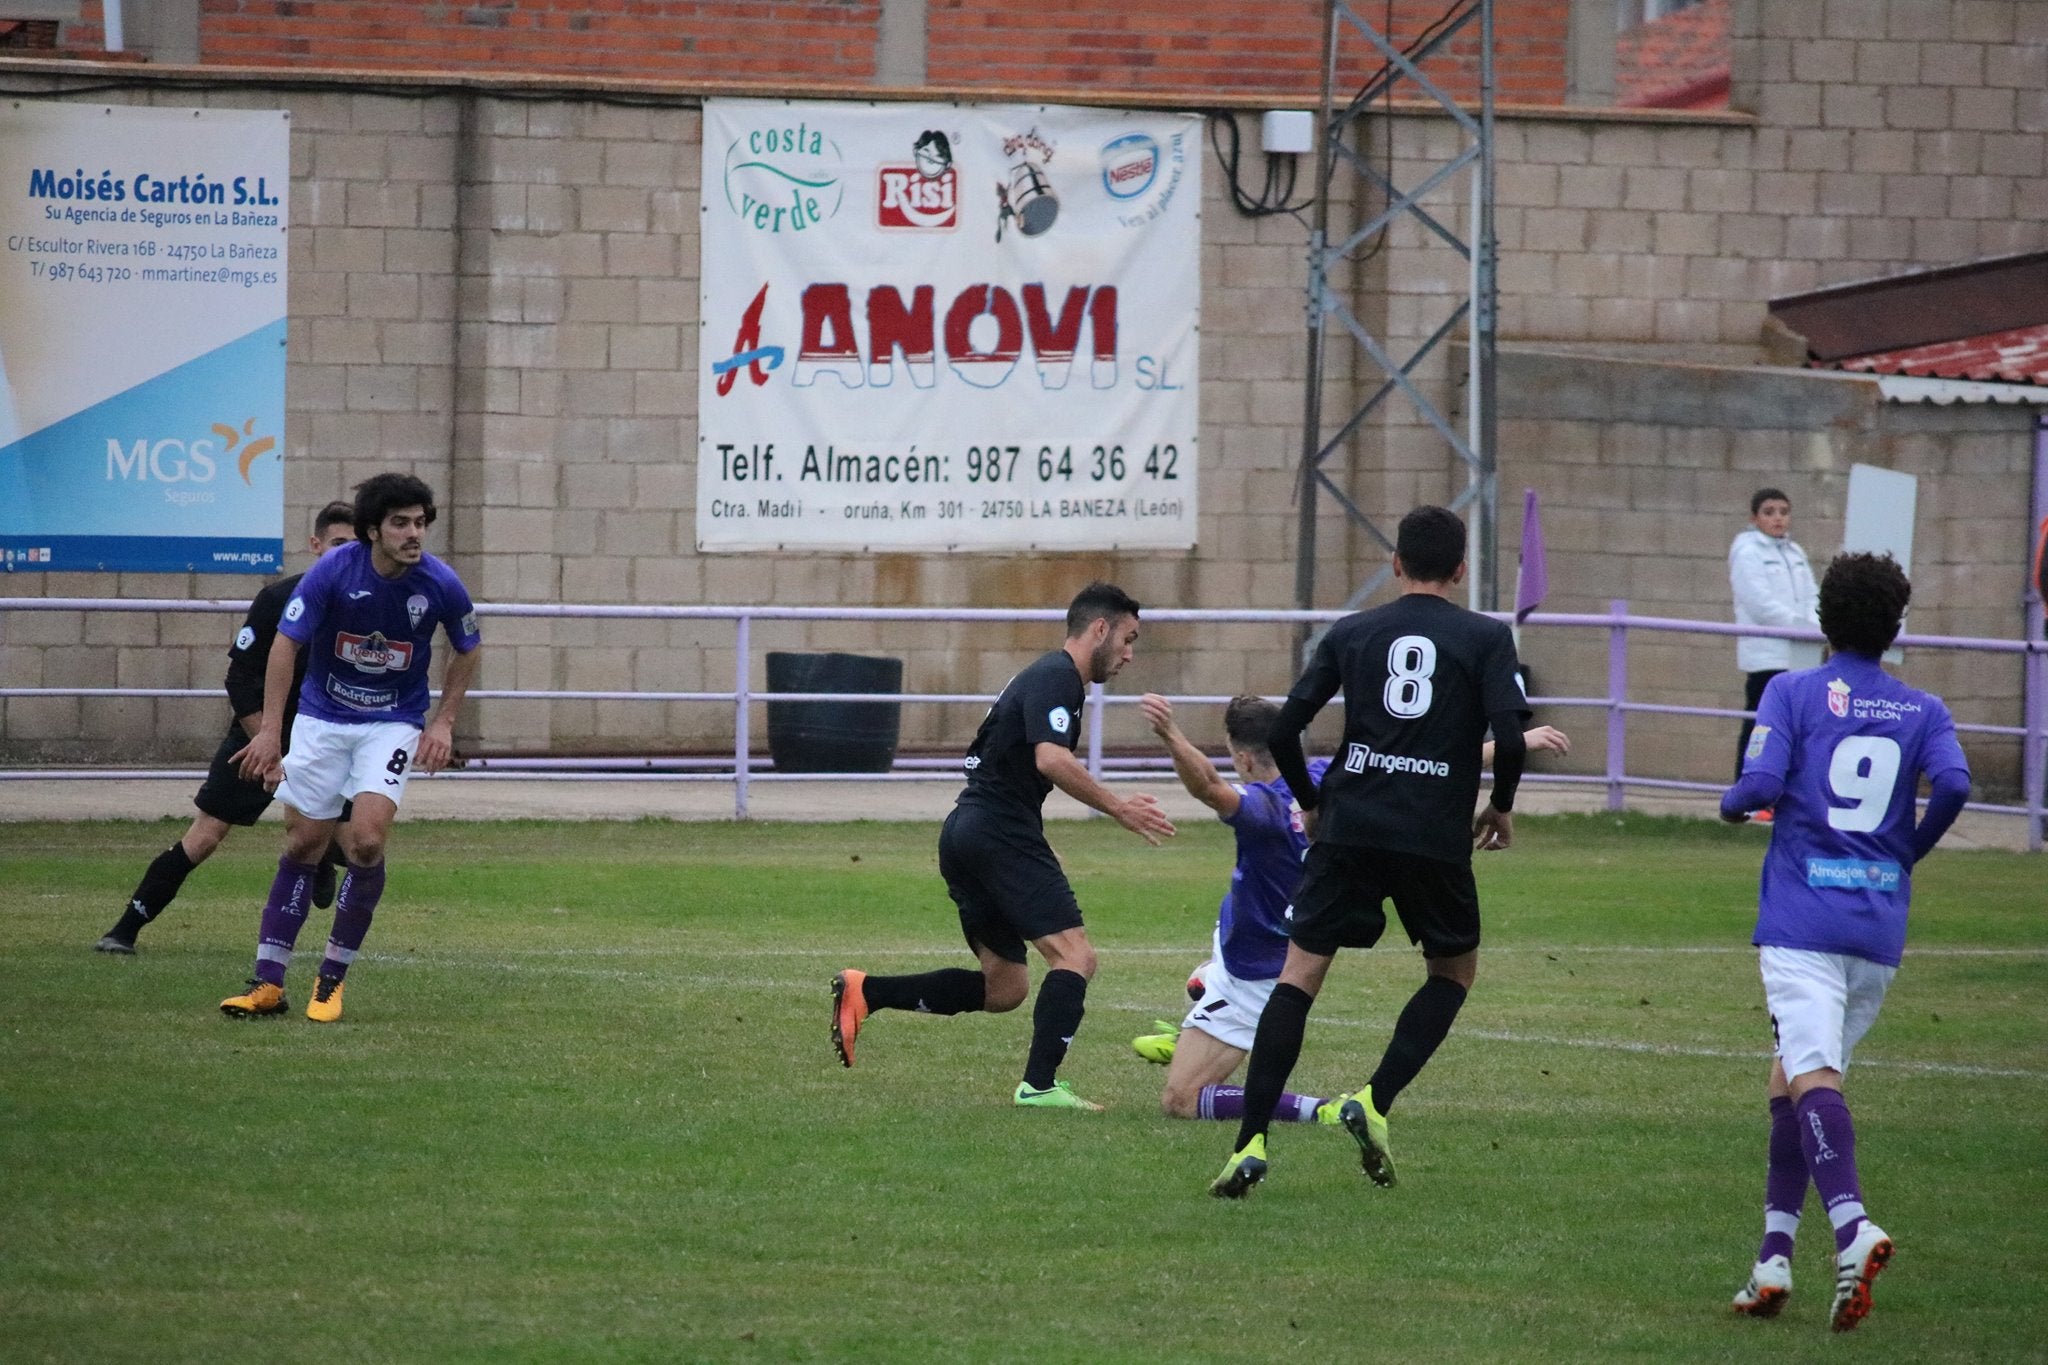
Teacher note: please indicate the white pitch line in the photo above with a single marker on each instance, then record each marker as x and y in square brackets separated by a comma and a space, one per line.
[1482, 1035]
[1196, 950]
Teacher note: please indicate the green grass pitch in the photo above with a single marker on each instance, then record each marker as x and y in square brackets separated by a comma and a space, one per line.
[583, 1107]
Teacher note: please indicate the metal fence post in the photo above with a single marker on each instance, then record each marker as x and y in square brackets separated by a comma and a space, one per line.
[1095, 735]
[2034, 753]
[742, 756]
[1617, 693]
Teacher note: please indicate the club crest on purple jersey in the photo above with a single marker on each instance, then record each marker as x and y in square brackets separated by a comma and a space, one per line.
[1838, 698]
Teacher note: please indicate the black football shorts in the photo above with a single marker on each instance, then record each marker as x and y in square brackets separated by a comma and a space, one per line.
[1006, 881]
[1341, 903]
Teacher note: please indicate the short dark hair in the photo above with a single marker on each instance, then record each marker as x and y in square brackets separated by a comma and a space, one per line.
[336, 513]
[378, 496]
[1099, 601]
[1248, 721]
[1431, 543]
[1764, 495]
[1863, 601]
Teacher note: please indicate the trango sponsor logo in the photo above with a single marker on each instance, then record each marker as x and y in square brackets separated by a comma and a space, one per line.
[1359, 757]
[373, 653]
[784, 179]
[906, 200]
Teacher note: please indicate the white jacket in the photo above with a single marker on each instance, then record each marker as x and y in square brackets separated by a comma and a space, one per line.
[1773, 586]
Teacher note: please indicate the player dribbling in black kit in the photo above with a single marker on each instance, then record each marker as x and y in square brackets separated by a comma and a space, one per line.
[1422, 679]
[998, 867]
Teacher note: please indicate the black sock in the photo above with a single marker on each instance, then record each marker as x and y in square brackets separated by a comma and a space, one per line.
[1424, 1023]
[950, 990]
[1276, 1047]
[157, 889]
[1055, 1019]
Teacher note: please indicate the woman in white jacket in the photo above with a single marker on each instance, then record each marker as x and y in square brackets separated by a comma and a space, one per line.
[1773, 586]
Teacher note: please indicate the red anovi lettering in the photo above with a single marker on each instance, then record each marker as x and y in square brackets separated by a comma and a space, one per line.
[831, 340]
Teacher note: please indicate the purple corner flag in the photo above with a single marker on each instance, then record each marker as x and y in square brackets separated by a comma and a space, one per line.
[1532, 581]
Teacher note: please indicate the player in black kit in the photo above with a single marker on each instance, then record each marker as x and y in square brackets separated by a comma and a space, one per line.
[1000, 871]
[1422, 679]
[226, 798]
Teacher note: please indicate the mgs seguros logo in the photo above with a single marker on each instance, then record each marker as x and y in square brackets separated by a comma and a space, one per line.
[786, 179]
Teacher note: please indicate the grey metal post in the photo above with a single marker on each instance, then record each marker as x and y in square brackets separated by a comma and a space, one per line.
[742, 758]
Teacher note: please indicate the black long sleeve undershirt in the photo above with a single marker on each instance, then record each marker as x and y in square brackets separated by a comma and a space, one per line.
[1285, 746]
[1510, 756]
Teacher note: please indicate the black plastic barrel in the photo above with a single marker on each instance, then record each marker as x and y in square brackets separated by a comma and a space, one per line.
[833, 736]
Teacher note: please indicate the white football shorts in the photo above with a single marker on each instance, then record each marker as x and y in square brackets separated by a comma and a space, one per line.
[1821, 1005]
[330, 763]
[1229, 1009]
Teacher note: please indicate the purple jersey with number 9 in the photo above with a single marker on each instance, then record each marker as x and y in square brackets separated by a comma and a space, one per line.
[1851, 743]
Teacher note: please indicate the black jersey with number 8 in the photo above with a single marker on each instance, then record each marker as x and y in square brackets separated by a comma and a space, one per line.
[1421, 677]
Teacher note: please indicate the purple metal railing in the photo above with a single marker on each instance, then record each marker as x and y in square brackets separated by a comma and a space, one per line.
[744, 768]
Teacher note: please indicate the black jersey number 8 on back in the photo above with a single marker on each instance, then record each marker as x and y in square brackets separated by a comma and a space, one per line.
[1411, 660]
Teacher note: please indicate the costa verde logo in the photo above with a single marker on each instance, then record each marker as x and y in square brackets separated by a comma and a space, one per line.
[784, 179]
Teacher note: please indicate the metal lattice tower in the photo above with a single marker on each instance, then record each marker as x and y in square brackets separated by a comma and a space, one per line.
[1344, 151]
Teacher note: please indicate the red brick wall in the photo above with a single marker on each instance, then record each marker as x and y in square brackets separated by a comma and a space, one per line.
[1183, 47]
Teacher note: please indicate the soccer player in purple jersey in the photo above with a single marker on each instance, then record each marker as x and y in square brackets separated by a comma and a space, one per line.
[1839, 750]
[226, 798]
[365, 615]
[1249, 946]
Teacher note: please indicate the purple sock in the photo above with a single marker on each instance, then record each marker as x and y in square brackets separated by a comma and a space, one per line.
[360, 891]
[283, 916]
[1827, 1138]
[1785, 1184]
[1227, 1102]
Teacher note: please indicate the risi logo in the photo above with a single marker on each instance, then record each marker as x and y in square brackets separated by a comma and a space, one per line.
[905, 200]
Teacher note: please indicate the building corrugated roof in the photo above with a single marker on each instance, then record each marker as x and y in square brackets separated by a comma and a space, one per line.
[2018, 355]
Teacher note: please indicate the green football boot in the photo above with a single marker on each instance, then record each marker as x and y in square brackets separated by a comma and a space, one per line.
[1059, 1096]
[1245, 1169]
[1369, 1127]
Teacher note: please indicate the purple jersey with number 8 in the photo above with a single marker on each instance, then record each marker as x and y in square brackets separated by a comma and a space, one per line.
[1851, 744]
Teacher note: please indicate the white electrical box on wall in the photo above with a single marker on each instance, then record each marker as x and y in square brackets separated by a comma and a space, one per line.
[1287, 130]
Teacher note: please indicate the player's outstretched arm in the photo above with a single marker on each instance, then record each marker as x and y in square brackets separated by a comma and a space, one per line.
[262, 758]
[1543, 737]
[1190, 764]
[437, 742]
[1140, 814]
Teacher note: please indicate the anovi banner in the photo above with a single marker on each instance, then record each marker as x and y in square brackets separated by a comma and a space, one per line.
[948, 327]
[142, 337]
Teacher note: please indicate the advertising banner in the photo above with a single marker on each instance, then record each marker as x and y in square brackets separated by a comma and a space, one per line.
[142, 331]
[948, 327]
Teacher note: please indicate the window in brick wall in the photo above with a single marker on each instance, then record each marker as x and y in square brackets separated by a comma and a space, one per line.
[1629, 13]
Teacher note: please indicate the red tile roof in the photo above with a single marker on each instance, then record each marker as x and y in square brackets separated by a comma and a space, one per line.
[1677, 62]
[2015, 356]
